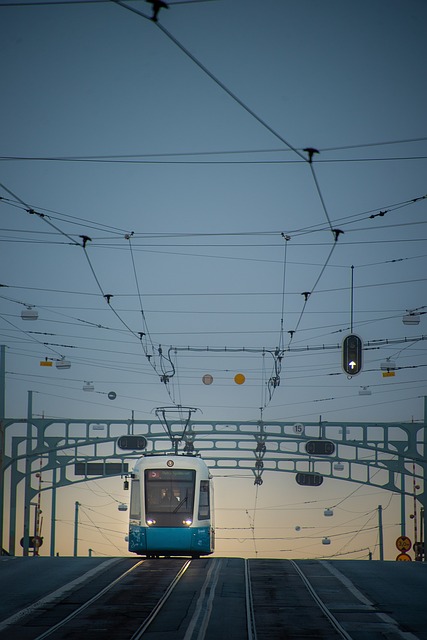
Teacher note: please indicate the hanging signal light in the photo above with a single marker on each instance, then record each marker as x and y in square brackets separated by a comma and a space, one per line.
[352, 348]
[88, 386]
[29, 313]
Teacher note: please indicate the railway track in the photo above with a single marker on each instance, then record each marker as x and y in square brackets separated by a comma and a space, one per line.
[178, 599]
[286, 605]
[118, 609]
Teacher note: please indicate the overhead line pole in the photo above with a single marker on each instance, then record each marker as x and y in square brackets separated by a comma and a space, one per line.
[76, 527]
[380, 532]
[2, 435]
[27, 485]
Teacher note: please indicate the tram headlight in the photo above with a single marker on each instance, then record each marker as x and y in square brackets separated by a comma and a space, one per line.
[151, 522]
[187, 522]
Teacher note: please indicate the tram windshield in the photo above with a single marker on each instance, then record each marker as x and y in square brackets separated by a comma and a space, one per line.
[169, 497]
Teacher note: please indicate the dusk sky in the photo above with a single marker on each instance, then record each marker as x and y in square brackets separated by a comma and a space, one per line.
[155, 179]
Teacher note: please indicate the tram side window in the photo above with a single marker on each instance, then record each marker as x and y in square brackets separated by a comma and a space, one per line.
[204, 500]
[135, 500]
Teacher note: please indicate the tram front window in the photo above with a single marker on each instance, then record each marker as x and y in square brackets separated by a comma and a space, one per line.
[169, 497]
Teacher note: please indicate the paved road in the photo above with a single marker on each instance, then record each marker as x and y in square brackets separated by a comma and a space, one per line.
[369, 600]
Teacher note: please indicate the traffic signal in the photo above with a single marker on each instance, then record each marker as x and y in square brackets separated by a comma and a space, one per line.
[132, 443]
[352, 348]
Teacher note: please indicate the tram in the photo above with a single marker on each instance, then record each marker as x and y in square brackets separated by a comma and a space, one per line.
[171, 507]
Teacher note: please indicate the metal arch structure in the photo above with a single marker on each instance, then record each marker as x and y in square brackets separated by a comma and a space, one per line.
[382, 455]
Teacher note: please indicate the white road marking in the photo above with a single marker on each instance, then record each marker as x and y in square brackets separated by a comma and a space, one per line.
[405, 635]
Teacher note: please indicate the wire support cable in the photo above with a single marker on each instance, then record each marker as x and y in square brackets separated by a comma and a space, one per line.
[166, 373]
[214, 78]
[107, 296]
[84, 241]
[316, 182]
[31, 337]
[145, 331]
[307, 294]
[285, 252]
[42, 216]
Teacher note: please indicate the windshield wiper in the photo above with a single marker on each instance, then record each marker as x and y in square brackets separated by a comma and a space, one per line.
[179, 505]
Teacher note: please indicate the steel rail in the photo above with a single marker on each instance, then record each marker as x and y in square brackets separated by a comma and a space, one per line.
[137, 634]
[334, 622]
[154, 613]
[87, 604]
[250, 609]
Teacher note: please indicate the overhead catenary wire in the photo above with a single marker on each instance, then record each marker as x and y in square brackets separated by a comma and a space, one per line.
[294, 233]
[340, 210]
[336, 232]
[170, 294]
[84, 241]
[134, 161]
[286, 143]
[210, 152]
[43, 3]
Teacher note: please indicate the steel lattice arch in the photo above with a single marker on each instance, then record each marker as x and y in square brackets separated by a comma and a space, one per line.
[70, 451]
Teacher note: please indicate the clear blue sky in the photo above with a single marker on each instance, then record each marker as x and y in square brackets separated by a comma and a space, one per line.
[190, 134]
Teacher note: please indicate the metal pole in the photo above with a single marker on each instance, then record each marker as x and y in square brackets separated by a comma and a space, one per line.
[402, 506]
[420, 553]
[35, 551]
[14, 481]
[53, 515]
[76, 527]
[414, 489]
[424, 466]
[380, 531]
[12, 516]
[27, 488]
[2, 435]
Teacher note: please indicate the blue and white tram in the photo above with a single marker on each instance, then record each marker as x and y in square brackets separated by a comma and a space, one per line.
[171, 507]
